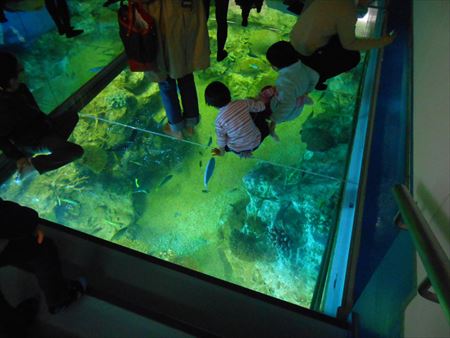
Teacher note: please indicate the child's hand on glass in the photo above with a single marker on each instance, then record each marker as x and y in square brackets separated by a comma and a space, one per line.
[217, 152]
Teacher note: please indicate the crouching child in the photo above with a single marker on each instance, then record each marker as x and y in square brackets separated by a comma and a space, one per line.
[241, 125]
[295, 80]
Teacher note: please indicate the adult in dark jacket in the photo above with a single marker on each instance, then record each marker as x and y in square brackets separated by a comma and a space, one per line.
[22, 244]
[26, 130]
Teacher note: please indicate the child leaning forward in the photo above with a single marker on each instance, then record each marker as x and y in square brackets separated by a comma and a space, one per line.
[294, 82]
[241, 125]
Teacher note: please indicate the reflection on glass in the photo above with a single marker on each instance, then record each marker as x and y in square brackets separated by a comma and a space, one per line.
[264, 222]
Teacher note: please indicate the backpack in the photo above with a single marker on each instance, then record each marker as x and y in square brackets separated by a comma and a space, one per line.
[141, 44]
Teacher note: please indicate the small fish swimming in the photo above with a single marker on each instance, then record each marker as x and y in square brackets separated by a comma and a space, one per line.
[209, 141]
[69, 201]
[165, 180]
[209, 172]
[136, 182]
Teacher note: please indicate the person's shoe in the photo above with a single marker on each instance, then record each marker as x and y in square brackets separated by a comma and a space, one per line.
[188, 131]
[221, 55]
[29, 309]
[77, 288]
[71, 33]
[174, 133]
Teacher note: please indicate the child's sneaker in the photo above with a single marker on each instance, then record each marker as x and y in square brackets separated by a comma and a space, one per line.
[76, 288]
[176, 134]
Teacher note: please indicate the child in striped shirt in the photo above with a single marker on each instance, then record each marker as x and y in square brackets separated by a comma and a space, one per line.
[241, 125]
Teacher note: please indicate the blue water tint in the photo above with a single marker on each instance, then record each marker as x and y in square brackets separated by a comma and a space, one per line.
[264, 223]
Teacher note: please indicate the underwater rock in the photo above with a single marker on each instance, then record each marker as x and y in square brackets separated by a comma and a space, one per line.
[135, 82]
[251, 66]
[255, 225]
[317, 139]
[261, 40]
[246, 246]
[120, 98]
[325, 131]
[94, 158]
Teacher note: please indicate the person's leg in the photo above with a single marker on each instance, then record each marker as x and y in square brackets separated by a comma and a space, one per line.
[189, 99]
[42, 260]
[64, 14]
[52, 9]
[259, 4]
[222, 28]
[260, 120]
[207, 5]
[61, 151]
[331, 60]
[65, 123]
[246, 6]
[169, 96]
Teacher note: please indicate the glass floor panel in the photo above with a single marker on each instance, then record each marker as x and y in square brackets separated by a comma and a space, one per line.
[262, 223]
[56, 67]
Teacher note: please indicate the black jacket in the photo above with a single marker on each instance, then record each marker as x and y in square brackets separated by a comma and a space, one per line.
[16, 221]
[22, 123]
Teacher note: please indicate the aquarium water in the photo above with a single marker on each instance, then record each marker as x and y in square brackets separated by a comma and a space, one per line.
[263, 223]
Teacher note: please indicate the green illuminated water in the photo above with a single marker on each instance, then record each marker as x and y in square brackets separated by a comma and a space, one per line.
[265, 222]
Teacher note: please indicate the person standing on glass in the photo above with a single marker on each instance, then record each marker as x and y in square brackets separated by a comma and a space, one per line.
[324, 36]
[183, 47]
[221, 8]
[59, 11]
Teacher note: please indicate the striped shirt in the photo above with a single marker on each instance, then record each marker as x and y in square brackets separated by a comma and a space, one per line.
[235, 127]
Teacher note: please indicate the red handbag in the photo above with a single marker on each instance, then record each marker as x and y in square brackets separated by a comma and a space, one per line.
[141, 44]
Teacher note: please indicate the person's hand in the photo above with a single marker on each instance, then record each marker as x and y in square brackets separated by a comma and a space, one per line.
[139, 20]
[245, 154]
[217, 152]
[387, 39]
[39, 235]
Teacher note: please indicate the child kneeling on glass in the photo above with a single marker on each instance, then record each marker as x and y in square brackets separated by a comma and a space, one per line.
[294, 82]
[241, 125]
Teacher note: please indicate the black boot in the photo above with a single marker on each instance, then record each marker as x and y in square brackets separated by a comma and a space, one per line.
[76, 289]
[71, 32]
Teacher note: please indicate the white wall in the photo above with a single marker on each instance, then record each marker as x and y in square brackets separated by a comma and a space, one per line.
[431, 106]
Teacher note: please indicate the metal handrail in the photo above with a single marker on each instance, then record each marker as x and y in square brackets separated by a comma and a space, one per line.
[434, 259]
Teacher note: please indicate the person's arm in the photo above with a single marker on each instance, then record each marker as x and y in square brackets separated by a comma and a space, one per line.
[17, 221]
[256, 106]
[284, 102]
[222, 138]
[346, 32]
